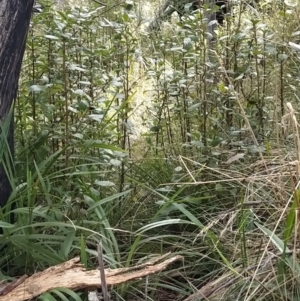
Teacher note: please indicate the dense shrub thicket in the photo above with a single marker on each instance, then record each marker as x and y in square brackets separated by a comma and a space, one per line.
[160, 141]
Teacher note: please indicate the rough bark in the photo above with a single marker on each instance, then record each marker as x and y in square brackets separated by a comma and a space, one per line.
[14, 23]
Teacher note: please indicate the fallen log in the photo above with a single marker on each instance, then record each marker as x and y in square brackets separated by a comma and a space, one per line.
[73, 275]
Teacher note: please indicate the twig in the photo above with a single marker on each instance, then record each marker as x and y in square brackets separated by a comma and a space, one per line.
[102, 272]
[96, 1]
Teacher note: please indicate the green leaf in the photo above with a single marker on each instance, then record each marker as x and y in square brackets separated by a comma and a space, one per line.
[108, 199]
[198, 144]
[5, 225]
[46, 297]
[280, 245]
[77, 68]
[104, 183]
[96, 117]
[83, 255]
[161, 224]
[100, 144]
[83, 105]
[59, 294]
[216, 141]
[115, 162]
[67, 244]
[36, 88]
[63, 292]
[194, 106]
[51, 37]
[282, 57]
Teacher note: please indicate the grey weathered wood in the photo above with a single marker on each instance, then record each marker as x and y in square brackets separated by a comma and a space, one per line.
[14, 23]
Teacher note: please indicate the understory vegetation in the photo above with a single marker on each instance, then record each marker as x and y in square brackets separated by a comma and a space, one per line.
[175, 140]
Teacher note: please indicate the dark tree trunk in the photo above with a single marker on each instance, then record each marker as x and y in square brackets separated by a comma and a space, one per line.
[14, 23]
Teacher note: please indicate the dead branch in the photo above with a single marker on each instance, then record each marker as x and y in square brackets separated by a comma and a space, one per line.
[72, 275]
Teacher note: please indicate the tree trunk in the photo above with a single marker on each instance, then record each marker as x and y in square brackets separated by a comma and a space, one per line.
[14, 23]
